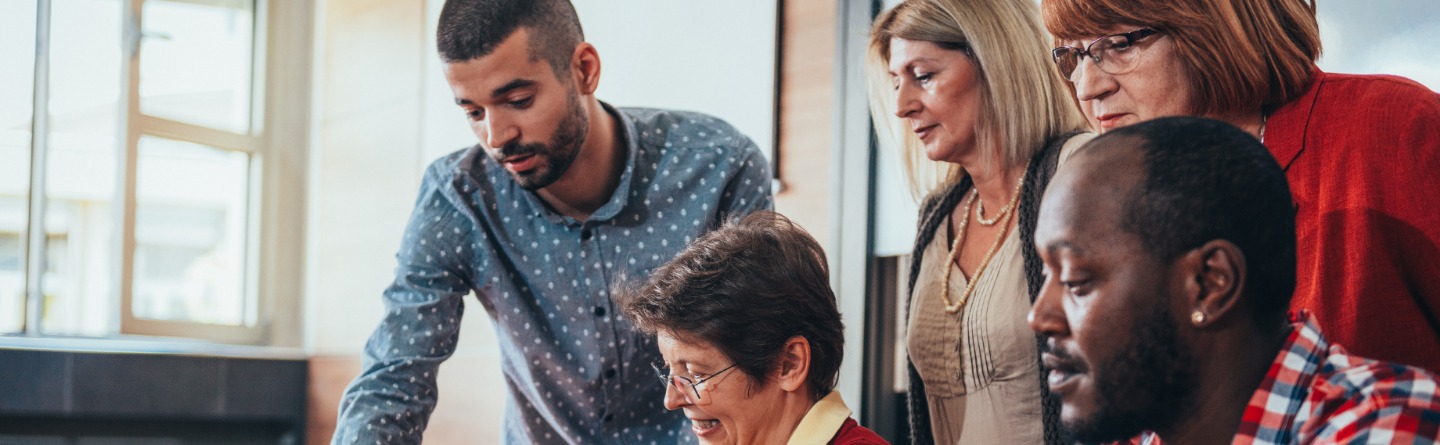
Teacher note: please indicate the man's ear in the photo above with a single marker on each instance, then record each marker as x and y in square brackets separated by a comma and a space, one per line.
[794, 364]
[585, 68]
[1215, 275]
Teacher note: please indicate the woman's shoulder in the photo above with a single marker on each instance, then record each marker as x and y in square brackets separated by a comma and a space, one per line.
[1374, 83]
[1383, 123]
[1391, 95]
[1065, 144]
[932, 200]
[851, 433]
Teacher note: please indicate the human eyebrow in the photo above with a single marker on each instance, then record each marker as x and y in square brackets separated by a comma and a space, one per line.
[909, 66]
[1056, 247]
[512, 86]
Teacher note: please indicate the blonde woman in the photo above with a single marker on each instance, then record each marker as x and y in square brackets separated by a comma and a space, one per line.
[968, 93]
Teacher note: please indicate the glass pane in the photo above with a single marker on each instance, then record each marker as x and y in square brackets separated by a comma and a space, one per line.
[190, 230]
[17, 75]
[78, 282]
[195, 62]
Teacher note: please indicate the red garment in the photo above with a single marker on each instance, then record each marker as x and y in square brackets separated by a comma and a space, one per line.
[851, 433]
[1362, 153]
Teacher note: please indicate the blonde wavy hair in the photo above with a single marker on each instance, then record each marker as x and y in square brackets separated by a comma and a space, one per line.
[1026, 102]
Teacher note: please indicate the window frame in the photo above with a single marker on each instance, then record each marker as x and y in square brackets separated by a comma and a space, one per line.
[277, 143]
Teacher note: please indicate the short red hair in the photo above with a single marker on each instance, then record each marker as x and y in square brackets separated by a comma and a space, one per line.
[1243, 54]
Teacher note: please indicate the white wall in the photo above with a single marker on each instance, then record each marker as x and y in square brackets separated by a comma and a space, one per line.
[365, 164]
[716, 57]
[1387, 37]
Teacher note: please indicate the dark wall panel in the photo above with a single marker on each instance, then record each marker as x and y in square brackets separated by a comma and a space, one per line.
[33, 382]
[98, 397]
[147, 385]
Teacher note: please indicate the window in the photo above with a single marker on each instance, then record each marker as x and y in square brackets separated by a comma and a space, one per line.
[136, 178]
[17, 30]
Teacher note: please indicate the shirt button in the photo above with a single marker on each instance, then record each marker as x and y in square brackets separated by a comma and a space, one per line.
[585, 235]
[599, 311]
[610, 373]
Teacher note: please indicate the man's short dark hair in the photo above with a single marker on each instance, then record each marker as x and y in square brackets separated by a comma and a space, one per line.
[471, 29]
[747, 288]
[1207, 180]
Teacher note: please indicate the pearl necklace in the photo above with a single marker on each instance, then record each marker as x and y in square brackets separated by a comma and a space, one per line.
[980, 212]
[1006, 215]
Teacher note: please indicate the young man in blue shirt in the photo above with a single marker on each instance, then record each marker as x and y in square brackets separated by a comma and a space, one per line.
[563, 195]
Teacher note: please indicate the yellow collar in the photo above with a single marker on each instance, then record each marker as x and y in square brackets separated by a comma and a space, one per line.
[822, 421]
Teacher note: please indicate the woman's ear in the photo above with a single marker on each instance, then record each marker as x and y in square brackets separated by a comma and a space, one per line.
[794, 364]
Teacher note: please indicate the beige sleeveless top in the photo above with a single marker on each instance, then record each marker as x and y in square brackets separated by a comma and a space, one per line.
[979, 366]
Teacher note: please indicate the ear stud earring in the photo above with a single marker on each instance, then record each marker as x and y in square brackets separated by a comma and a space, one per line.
[1197, 317]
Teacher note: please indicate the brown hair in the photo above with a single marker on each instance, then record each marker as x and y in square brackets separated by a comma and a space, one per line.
[747, 288]
[1241, 54]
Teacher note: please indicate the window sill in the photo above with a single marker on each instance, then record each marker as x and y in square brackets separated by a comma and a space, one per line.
[148, 345]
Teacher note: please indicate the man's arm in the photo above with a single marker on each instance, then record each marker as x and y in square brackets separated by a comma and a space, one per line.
[391, 400]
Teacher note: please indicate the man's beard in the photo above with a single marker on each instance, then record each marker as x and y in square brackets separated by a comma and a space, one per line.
[558, 155]
[1145, 388]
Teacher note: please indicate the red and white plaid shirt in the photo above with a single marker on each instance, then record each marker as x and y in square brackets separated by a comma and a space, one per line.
[1317, 393]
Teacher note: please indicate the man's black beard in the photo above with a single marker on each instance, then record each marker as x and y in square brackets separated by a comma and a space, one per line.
[559, 153]
[1144, 388]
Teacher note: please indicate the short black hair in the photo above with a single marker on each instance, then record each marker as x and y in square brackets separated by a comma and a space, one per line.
[747, 288]
[471, 29]
[1207, 180]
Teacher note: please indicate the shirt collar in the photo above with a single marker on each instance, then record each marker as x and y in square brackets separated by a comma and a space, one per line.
[1304, 351]
[1276, 403]
[1286, 126]
[822, 421]
[620, 197]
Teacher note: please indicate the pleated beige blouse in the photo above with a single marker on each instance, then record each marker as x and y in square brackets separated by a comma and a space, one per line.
[980, 370]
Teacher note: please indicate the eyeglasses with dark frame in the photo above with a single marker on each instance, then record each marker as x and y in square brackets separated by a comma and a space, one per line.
[1112, 54]
[669, 379]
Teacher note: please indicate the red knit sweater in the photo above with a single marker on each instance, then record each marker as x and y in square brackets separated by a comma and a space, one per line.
[851, 433]
[1362, 153]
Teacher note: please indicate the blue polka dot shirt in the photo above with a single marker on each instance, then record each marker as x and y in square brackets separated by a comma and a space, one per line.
[575, 370]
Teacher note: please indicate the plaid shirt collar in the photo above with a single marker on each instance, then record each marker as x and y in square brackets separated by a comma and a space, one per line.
[1315, 391]
[1272, 411]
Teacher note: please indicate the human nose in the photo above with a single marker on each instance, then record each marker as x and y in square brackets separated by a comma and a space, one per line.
[1090, 82]
[1047, 315]
[905, 102]
[499, 131]
[674, 397]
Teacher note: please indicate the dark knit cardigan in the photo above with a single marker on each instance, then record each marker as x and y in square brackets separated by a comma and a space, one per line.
[932, 213]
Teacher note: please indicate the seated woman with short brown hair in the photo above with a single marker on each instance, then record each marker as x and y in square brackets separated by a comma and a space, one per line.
[751, 337]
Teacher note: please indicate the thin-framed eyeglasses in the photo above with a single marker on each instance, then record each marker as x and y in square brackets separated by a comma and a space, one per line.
[1113, 54]
[670, 379]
